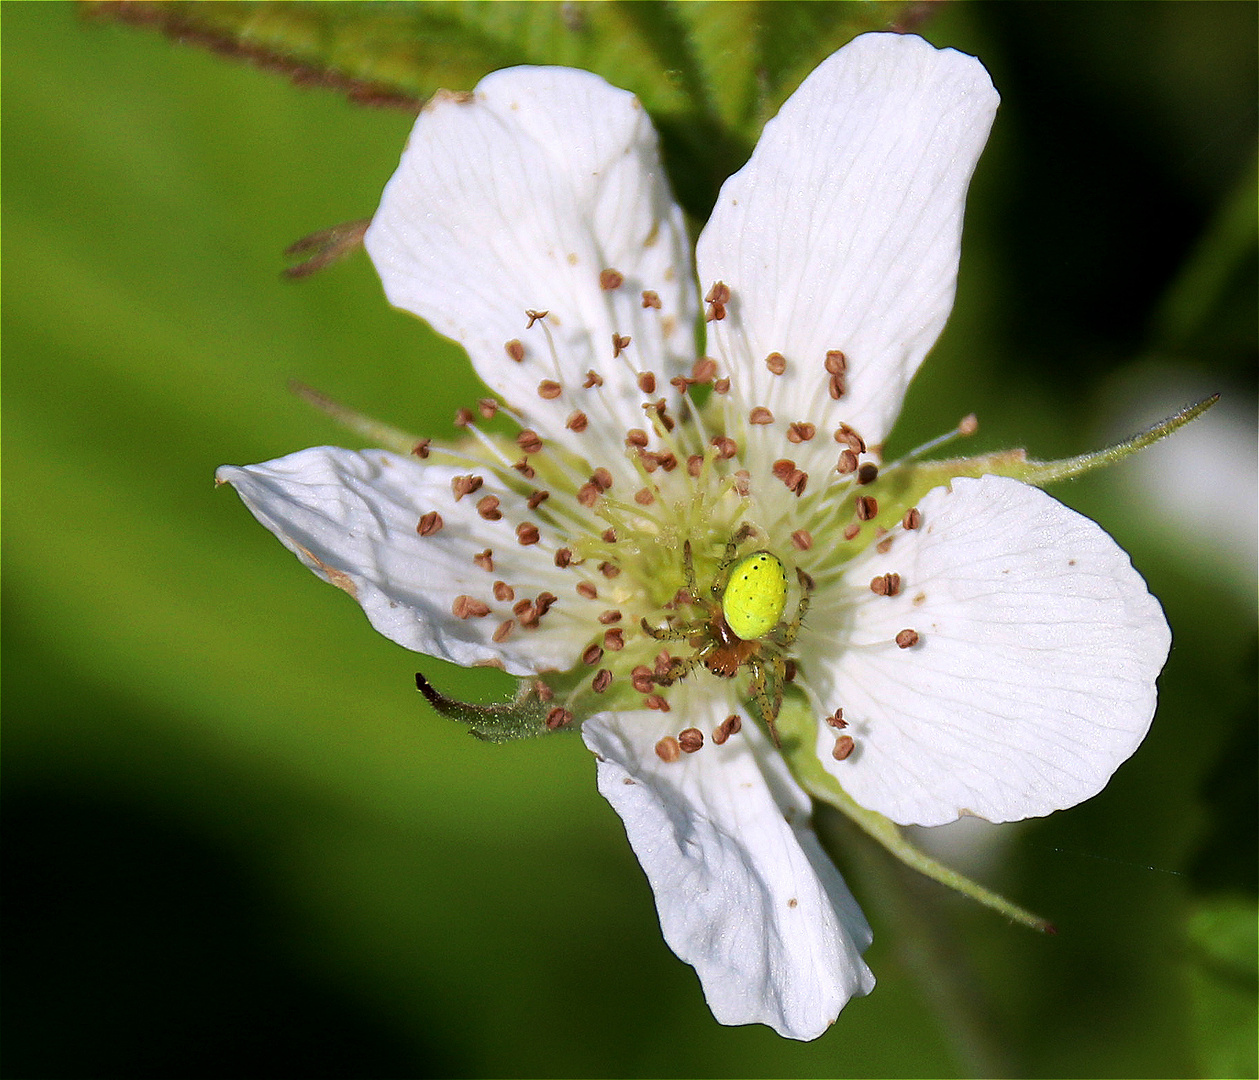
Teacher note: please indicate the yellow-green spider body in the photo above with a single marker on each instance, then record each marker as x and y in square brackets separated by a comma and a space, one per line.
[755, 596]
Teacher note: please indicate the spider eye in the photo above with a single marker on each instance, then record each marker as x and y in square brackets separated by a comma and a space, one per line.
[755, 595]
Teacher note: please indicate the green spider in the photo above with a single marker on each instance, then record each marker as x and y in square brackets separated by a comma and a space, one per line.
[741, 627]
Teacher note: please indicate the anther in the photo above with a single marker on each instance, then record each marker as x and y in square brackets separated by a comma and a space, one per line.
[465, 485]
[650, 299]
[644, 497]
[802, 539]
[593, 379]
[886, 585]
[776, 362]
[485, 560]
[610, 279]
[667, 749]
[681, 383]
[907, 639]
[563, 557]
[420, 449]
[592, 655]
[742, 482]
[504, 630]
[801, 431]
[731, 725]
[529, 441]
[587, 495]
[525, 469]
[850, 531]
[464, 418]
[884, 546]
[647, 382]
[534, 316]
[610, 616]
[641, 679]
[867, 508]
[836, 719]
[717, 298]
[868, 473]
[636, 437]
[601, 681]
[602, 479]
[968, 425]
[721, 386]
[655, 701]
[549, 389]
[614, 639]
[577, 422]
[835, 387]
[503, 592]
[586, 589]
[726, 447]
[912, 518]
[536, 499]
[609, 570]
[836, 363]
[847, 463]
[429, 523]
[468, 607]
[843, 747]
[620, 342]
[694, 464]
[663, 663]
[608, 536]
[515, 350]
[527, 533]
[487, 407]
[705, 369]
[558, 717]
[488, 508]
[846, 435]
[690, 740]
[760, 415]
[544, 602]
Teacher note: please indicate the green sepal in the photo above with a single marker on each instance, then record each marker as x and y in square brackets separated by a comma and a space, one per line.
[797, 728]
[525, 717]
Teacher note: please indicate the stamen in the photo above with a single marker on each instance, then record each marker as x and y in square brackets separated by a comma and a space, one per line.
[647, 382]
[731, 725]
[801, 431]
[558, 717]
[690, 740]
[487, 407]
[760, 415]
[536, 499]
[851, 531]
[563, 557]
[912, 518]
[577, 422]
[843, 747]
[420, 449]
[614, 639]
[611, 616]
[886, 585]
[884, 546]
[592, 655]
[868, 473]
[776, 362]
[650, 299]
[847, 463]
[515, 350]
[468, 607]
[503, 592]
[430, 523]
[593, 379]
[655, 701]
[534, 316]
[504, 630]
[641, 680]
[620, 343]
[907, 639]
[488, 508]
[527, 533]
[601, 681]
[549, 389]
[464, 418]
[485, 560]
[586, 589]
[529, 441]
[668, 750]
[802, 539]
[465, 485]
[610, 279]
[867, 508]
[836, 719]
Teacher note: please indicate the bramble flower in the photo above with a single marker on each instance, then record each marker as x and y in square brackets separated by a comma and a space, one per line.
[699, 557]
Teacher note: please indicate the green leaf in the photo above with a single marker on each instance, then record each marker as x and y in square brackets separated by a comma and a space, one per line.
[1222, 980]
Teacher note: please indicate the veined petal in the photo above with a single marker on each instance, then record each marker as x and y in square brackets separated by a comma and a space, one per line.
[1033, 676]
[357, 520]
[542, 191]
[843, 231]
[744, 891]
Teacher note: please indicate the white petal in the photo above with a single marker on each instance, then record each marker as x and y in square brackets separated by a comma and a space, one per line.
[1034, 675]
[516, 198]
[843, 231]
[744, 891]
[352, 518]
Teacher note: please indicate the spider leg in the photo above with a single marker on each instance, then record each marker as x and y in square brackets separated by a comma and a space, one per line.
[761, 692]
[688, 573]
[678, 669]
[667, 633]
[788, 636]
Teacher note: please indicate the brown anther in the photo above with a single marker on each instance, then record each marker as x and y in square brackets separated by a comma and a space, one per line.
[608, 536]
[668, 461]
[705, 369]
[694, 464]
[836, 363]
[523, 609]
[610, 279]
[430, 523]
[503, 592]
[650, 299]
[847, 463]
[802, 539]
[544, 602]
[601, 681]
[726, 447]
[587, 495]
[620, 342]
[731, 725]
[534, 316]
[586, 589]
[544, 692]
[912, 518]
[667, 749]
[468, 607]
[610, 616]
[783, 468]
[644, 497]
[716, 299]
[907, 639]
[789, 671]
[527, 533]
[609, 570]
[515, 350]
[504, 629]
[721, 386]
[536, 499]
[641, 679]
[420, 449]
[636, 437]
[868, 473]
[655, 701]
[680, 383]
[843, 747]
[557, 718]
[529, 441]
[760, 415]
[835, 387]
[549, 389]
[742, 482]
[850, 531]
[884, 546]
[886, 585]
[968, 425]
[602, 479]
[577, 422]
[485, 560]
[647, 382]
[801, 431]
[663, 663]
[776, 362]
[465, 485]
[487, 407]
[593, 379]
[487, 507]
[690, 740]
[836, 719]
[464, 418]
[592, 655]
[563, 557]
[525, 469]
[846, 435]
[614, 639]
[867, 508]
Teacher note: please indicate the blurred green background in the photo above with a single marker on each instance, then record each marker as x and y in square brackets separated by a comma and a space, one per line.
[237, 843]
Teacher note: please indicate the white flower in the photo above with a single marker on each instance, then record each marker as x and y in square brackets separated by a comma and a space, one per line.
[993, 652]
